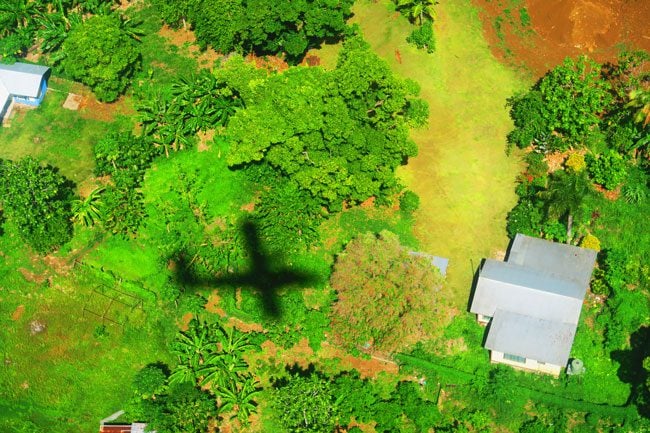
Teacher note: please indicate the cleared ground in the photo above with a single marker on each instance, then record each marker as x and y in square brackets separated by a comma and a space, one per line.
[463, 177]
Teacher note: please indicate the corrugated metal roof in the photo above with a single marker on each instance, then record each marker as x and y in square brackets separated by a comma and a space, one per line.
[493, 293]
[518, 275]
[537, 294]
[531, 337]
[564, 261]
[22, 79]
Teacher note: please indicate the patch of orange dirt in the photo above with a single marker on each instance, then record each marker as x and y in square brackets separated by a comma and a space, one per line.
[609, 195]
[184, 38]
[212, 306]
[270, 63]
[555, 160]
[565, 28]
[245, 326]
[369, 203]
[205, 138]
[184, 323]
[367, 368]
[177, 37]
[91, 108]
[32, 277]
[18, 313]
[248, 207]
[59, 265]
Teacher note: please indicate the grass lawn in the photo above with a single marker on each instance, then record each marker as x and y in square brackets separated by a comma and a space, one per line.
[462, 175]
[75, 372]
[54, 135]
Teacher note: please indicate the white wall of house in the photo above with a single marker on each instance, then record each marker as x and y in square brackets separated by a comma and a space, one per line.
[528, 364]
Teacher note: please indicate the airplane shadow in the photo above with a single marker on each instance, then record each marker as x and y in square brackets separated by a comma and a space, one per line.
[266, 275]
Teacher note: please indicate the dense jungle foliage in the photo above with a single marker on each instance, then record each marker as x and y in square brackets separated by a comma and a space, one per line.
[232, 248]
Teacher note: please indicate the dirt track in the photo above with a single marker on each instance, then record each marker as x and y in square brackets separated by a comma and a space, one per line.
[561, 28]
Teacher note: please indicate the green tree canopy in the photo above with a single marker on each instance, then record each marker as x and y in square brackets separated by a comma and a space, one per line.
[37, 200]
[386, 296]
[306, 404]
[101, 54]
[339, 135]
[262, 26]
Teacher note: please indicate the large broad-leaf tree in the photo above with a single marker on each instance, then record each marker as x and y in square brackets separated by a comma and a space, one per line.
[37, 200]
[261, 26]
[338, 135]
[386, 297]
[101, 54]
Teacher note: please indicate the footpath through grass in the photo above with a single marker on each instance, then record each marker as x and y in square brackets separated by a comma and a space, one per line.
[462, 175]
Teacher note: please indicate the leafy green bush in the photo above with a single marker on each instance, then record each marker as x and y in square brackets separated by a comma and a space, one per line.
[608, 169]
[287, 217]
[525, 218]
[409, 202]
[554, 230]
[306, 404]
[537, 165]
[104, 63]
[574, 95]
[598, 284]
[528, 113]
[37, 200]
[422, 37]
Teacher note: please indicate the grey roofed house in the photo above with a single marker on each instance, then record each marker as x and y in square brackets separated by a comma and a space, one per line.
[534, 299]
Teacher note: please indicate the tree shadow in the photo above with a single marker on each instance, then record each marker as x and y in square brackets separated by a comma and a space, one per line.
[266, 274]
[631, 368]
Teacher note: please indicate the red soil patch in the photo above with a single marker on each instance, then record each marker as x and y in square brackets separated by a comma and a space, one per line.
[270, 63]
[18, 313]
[245, 326]
[204, 139]
[184, 38]
[565, 28]
[367, 368]
[212, 306]
[248, 207]
[609, 195]
[31, 276]
[184, 323]
[91, 108]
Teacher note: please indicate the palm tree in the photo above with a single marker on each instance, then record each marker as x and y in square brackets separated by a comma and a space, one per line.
[88, 211]
[565, 195]
[418, 9]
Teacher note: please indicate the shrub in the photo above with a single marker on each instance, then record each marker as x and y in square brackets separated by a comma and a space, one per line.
[422, 37]
[527, 112]
[525, 218]
[105, 63]
[409, 202]
[590, 241]
[574, 95]
[150, 380]
[37, 199]
[608, 170]
[537, 165]
[598, 284]
[575, 162]
[554, 230]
